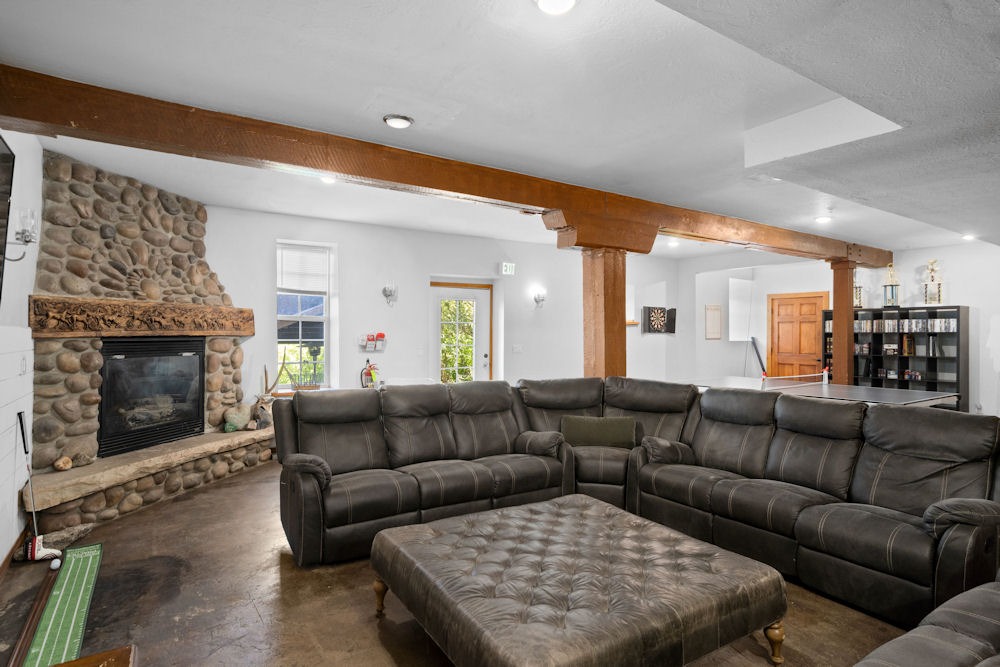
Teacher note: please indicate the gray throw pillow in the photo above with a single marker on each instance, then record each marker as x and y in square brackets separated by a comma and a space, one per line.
[607, 431]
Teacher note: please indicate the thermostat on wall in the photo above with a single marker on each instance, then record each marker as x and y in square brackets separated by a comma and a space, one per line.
[507, 268]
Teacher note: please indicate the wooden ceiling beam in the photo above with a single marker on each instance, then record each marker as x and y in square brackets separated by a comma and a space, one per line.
[582, 230]
[41, 104]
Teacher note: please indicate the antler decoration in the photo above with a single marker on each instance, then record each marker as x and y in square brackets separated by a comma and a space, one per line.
[269, 388]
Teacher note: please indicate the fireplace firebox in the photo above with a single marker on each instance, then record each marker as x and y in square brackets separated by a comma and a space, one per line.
[153, 391]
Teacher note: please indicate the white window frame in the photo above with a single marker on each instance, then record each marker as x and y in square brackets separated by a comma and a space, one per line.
[331, 329]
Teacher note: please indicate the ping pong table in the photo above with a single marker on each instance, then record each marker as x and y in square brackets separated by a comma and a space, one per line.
[837, 392]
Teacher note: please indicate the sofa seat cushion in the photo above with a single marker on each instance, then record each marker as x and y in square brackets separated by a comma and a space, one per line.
[364, 495]
[685, 484]
[879, 538]
[449, 482]
[764, 503]
[603, 465]
[519, 473]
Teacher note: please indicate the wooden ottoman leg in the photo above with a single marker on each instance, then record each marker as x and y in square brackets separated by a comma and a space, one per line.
[380, 590]
[775, 634]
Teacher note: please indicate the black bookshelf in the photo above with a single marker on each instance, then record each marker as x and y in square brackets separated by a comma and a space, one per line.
[920, 347]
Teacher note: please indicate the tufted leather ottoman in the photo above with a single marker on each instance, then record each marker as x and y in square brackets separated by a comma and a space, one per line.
[574, 581]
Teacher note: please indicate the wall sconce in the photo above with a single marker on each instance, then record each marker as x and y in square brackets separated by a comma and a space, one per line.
[538, 294]
[389, 292]
[26, 233]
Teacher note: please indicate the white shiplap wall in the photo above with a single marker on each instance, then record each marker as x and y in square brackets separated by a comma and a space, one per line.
[16, 379]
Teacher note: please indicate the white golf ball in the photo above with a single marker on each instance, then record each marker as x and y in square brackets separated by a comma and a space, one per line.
[55, 564]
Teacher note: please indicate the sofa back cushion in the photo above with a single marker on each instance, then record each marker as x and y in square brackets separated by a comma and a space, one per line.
[734, 430]
[547, 401]
[816, 443]
[914, 457]
[482, 418]
[342, 426]
[659, 407]
[417, 426]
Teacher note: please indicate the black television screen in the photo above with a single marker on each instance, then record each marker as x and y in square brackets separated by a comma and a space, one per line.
[6, 183]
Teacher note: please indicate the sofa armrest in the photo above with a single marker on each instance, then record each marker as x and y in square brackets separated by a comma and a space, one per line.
[539, 443]
[942, 515]
[660, 450]
[309, 464]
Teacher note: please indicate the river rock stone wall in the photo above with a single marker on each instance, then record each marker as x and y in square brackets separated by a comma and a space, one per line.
[108, 236]
[121, 499]
[67, 395]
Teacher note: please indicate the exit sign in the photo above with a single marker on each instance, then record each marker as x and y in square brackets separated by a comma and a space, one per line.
[507, 268]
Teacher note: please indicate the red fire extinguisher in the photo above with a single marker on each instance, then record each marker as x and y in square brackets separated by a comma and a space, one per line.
[369, 374]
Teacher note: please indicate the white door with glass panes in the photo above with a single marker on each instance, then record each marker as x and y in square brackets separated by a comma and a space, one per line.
[304, 310]
[461, 322]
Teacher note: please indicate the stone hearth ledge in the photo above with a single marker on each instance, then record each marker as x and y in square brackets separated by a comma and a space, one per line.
[55, 488]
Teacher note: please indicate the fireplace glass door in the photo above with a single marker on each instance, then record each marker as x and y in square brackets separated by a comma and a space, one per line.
[153, 391]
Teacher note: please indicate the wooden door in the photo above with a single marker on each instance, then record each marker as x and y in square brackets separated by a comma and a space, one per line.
[795, 333]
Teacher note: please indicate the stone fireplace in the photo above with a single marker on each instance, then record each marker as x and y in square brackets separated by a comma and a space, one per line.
[120, 259]
[121, 272]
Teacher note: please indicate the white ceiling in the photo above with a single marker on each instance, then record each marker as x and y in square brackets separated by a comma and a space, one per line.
[627, 96]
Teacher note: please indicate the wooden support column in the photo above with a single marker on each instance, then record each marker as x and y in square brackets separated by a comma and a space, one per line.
[843, 321]
[603, 312]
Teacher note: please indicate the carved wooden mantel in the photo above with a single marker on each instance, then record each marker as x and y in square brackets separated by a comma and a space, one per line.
[68, 317]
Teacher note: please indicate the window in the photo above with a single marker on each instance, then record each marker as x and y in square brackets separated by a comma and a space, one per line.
[458, 339]
[307, 305]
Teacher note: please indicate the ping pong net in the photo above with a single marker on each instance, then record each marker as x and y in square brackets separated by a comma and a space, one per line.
[779, 382]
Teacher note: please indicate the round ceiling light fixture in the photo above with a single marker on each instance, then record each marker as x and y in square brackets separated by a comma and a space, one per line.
[968, 237]
[823, 219]
[555, 7]
[396, 121]
[329, 180]
[673, 243]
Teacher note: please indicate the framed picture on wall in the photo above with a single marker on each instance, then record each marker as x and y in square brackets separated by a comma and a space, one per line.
[713, 322]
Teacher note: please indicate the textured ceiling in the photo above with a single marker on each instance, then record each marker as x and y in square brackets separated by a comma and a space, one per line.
[933, 66]
[628, 96]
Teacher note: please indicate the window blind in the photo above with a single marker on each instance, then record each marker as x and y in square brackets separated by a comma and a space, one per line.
[304, 268]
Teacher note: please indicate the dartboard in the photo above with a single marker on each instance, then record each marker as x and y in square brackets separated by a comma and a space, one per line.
[656, 319]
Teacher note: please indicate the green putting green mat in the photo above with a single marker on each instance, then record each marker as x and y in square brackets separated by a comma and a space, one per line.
[60, 631]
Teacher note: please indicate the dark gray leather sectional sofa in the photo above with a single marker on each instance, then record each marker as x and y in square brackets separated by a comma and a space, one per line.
[890, 509]
[658, 408]
[356, 461]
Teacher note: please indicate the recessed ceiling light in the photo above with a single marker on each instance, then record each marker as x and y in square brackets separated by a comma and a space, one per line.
[823, 219]
[673, 243]
[396, 121]
[555, 7]
[968, 237]
[776, 179]
[329, 180]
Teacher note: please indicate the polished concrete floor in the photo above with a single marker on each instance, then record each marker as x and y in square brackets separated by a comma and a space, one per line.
[207, 579]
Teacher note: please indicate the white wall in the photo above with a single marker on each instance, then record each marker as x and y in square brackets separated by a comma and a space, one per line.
[705, 280]
[970, 272]
[655, 282]
[715, 358]
[548, 340]
[16, 349]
